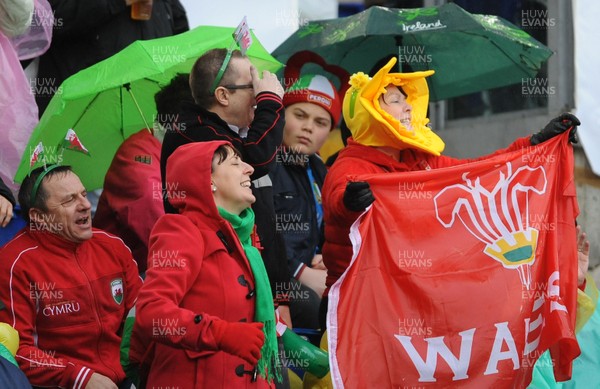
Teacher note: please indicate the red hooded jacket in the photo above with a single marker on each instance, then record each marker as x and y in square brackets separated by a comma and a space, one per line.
[131, 201]
[68, 301]
[196, 266]
[356, 159]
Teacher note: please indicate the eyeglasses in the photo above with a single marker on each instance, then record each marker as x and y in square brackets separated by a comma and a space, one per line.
[233, 86]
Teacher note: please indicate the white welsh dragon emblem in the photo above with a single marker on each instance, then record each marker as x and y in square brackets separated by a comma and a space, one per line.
[500, 217]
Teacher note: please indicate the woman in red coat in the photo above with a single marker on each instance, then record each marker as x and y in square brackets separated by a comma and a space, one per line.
[206, 303]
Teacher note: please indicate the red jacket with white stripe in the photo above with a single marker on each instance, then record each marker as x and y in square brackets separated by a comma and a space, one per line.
[68, 301]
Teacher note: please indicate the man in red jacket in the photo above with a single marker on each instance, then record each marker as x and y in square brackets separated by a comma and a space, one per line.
[66, 287]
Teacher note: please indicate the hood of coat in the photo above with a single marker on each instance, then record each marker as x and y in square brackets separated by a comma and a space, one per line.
[188, 178]
[372, 126]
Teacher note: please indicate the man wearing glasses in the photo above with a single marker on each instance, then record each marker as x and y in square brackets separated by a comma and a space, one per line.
[65, 287]
[233, 103]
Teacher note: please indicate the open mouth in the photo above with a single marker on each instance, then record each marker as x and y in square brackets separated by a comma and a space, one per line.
[407, 124]
[82, 221]
[245, 184]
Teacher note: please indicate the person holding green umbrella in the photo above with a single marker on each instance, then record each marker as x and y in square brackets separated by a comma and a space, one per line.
[386, 115]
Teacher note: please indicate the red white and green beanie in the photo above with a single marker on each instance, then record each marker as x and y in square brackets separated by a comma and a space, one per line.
[314, 88]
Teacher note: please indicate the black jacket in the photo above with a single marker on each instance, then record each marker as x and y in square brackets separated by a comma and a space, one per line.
[259, 148]
[88, 31]
[295, 210]
[196, 124]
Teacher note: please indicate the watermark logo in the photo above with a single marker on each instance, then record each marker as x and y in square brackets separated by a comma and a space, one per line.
[287, 291]
[536, 19]
[293, 359]
[414, 327]
[537, 290]
[172, 191]
[290, 18]
[413, 259]
[542, 222]
[167, 259]
[46, 223]
[168, 123]
[531, 155]
[45, 86]
[413, 54]
[46, 18]
[166, 327]
[536, 357]
[291, 156]
[413, 191]
[44, 291]
[291, 223]
[167, 54]
[51, 155]
[288, 82]
[46, 359]
[536, 87]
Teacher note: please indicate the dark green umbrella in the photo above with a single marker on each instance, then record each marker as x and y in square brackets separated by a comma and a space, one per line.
[113, 99]
[468, 52]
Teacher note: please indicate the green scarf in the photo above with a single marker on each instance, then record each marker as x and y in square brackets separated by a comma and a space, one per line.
[263, 311]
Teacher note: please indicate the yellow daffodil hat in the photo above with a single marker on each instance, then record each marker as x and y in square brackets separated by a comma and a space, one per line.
[372, 126]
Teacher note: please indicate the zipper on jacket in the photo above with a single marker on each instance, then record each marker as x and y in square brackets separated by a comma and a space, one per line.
[95, 302]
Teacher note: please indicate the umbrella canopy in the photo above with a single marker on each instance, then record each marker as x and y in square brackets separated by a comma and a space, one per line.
[97, 102]
[468, 52]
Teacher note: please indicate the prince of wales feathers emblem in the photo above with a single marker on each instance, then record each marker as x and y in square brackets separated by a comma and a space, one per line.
[500, 217]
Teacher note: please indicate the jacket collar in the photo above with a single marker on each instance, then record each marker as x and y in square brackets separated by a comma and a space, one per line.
[54, 242]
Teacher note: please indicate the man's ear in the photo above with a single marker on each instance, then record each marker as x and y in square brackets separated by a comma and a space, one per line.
[36, 215]
[222, 96]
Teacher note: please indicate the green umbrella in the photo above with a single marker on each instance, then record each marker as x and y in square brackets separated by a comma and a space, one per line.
[468, 52]
[113, 99]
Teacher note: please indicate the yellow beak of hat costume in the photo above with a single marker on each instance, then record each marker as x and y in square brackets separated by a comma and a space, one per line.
[372, 126]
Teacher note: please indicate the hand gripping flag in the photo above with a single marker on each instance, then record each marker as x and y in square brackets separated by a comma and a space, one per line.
[461, 276]
[72, 142]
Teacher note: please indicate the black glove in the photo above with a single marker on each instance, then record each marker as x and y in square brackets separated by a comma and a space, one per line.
[557, 126]
[358, 196]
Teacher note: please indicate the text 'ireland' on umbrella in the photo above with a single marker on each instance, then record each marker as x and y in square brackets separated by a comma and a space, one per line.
[468, 52]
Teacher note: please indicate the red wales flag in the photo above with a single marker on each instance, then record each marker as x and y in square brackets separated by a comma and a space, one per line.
[462, 276]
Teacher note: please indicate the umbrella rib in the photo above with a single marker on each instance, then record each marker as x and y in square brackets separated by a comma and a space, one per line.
[122, 116]
[128, 87]
[348, 52]
[87, 107]
[519, 65]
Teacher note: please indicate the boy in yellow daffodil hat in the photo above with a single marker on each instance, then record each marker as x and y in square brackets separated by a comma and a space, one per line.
[386, 115]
